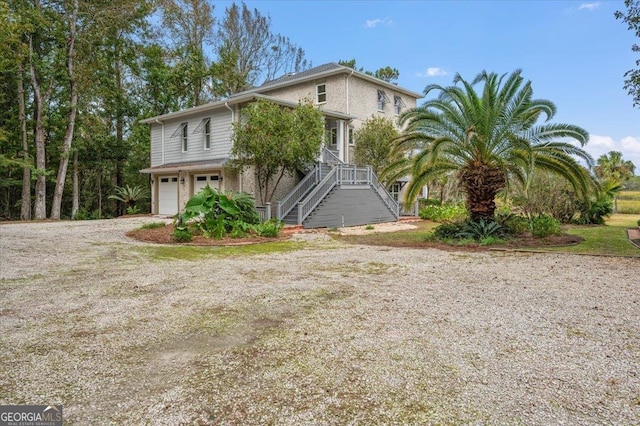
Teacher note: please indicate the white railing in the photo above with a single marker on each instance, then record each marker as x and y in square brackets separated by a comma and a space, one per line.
[353, 175]
[329, 157]
[345, 175]
[311, 201]
[384, 194]
[284, 206]
[264, 212]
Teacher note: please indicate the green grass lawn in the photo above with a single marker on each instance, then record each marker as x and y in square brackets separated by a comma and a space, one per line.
[609, 239]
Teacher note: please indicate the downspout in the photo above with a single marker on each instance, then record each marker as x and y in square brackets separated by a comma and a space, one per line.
[233, 118]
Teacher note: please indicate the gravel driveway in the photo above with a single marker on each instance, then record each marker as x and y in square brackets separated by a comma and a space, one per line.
[313, 332]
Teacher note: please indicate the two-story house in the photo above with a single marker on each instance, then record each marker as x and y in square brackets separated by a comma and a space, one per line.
[189, 149]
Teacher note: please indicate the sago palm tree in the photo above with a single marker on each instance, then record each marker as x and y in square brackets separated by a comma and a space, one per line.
[487, 138]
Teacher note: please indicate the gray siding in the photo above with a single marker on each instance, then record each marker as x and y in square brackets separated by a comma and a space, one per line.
[220, 139]
[156, 144]
[349, 207]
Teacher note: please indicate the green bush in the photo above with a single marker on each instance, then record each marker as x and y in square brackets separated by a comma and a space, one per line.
[480, 230]
[447, 212]
[514, 224]
[594, 211]
[215, 213]
[270, 228]
[447, 231]
[182, 234]
[544, 225]
[133, 210]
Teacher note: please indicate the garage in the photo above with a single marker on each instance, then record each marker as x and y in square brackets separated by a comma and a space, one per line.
[168, 195]
[200, 181]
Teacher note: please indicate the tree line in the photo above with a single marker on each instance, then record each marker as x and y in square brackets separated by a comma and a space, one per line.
[77, 75]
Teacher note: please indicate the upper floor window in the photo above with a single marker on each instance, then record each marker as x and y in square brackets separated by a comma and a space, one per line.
[321, 93]
[207, 135]
[205, 128]
[382, 100]
[398, 104]
[182, 132]
[185, 137]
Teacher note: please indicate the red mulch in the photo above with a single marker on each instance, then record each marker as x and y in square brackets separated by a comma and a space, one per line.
[163, 236]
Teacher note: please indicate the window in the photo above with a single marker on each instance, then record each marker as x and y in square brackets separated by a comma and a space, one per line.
[394, 190]
[351, 139]
[398, 104]
[207, 135]
[321, 93]
[382, 100]
[205, 128]
[333, 136]
[185, 137]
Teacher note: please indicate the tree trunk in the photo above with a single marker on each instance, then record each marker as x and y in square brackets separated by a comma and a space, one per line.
[25, 208]
[41, 166]
[482, 183]
[76, 189]
[71, 121]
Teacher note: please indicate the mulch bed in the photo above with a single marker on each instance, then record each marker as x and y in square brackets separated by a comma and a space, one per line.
[163, 236]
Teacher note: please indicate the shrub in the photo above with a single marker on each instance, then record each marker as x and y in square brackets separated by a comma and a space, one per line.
[448, 212]
[447, 231]
[182, 234]
[215, 213]
[544, 225]
[270, 228]
[514, 224]
[480, 230]
[239, 229]
[133, 210]
[638, 222]
[369, 227]
[153, 225]
[594, 211]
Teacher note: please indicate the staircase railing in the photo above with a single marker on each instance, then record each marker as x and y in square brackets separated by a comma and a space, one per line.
[284, 206]
[384, 194]
[329, 157]
[347, 175]
[311, 201]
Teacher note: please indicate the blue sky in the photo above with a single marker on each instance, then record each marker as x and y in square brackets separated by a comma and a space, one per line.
[574, 52]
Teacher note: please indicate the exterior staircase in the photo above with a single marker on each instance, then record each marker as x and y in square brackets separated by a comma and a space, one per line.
[334, 194]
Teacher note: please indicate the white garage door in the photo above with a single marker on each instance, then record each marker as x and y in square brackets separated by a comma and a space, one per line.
[168, 195]
[201, 181]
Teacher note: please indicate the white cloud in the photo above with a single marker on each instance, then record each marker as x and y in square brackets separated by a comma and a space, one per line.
[372, 23]
[433, 72]
[629, 147]
[589, 6]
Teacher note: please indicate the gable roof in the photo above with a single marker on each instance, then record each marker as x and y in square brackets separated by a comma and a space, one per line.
[322, 71]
